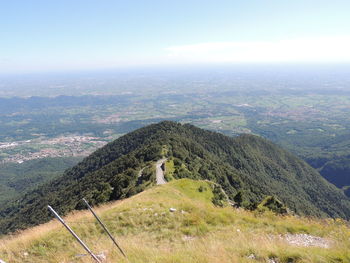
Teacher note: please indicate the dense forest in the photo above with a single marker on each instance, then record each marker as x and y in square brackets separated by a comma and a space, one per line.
[247, 167]
[17, 178]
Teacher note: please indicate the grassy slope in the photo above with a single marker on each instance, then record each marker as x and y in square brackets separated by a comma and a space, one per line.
[148, 232]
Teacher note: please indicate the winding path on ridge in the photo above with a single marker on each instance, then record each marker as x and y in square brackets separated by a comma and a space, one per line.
[159, 171]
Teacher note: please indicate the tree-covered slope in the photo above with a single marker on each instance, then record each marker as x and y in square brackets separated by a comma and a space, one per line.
[17, 178]
[247, 167]
[337, 171]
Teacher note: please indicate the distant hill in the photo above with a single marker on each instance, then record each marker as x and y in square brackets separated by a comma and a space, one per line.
[337, 171]
[247, 167]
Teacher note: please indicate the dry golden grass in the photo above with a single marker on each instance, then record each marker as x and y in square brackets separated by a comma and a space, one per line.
[196, 232]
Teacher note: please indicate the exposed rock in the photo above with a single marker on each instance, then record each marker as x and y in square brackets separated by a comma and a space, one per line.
[102, 256]
[251, 256]
[187, 238]
[306, 240]
[172, 209]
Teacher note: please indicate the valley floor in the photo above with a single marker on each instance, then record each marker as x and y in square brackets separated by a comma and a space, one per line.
[192, 231]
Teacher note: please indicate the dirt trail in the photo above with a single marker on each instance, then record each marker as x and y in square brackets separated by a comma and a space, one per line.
[160, 172]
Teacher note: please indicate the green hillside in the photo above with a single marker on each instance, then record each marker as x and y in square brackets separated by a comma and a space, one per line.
[16, 178]
[247, 167]
[196, 231]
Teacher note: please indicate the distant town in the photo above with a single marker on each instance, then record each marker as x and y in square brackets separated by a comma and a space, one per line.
[62, 146]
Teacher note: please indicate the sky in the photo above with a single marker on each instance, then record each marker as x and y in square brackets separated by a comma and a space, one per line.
[59, 35]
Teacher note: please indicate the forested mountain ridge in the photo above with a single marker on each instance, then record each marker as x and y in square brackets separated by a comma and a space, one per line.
[17, 178]
[246, 166]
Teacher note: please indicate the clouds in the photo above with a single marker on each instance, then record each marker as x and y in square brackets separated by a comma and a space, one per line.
[322, 49]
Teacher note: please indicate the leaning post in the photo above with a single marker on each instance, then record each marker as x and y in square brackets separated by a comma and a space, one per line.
[74, 235]
[104, 227]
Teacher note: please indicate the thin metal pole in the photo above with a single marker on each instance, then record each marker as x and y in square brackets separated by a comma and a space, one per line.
[104, 227]
[75, 235]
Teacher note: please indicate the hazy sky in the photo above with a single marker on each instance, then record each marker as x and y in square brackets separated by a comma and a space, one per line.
[82, 34]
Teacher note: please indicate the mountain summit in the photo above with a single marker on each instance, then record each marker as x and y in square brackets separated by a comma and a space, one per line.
[248, 168]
